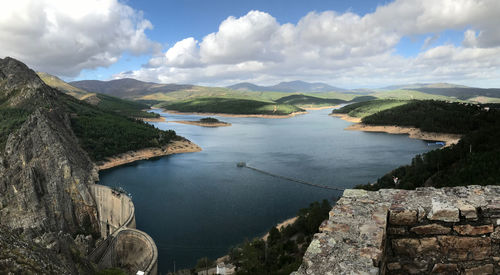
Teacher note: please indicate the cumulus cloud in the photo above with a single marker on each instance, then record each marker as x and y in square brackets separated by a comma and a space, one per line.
[64, 37]
[340, 48]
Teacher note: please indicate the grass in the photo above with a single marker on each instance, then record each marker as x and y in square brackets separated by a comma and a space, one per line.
[105, 102]
[62, 86]
[231, 106]
[367, 108]
[124, 107]
[410, 95]
[306, 101]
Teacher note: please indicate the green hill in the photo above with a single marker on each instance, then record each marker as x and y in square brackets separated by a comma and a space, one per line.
[302, 100]
[109, 103]
[474, 160]
[366, 108]
[231, 106]
[57, 83]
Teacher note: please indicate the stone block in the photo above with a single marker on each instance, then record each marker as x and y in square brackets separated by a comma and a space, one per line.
[397, 231]
[405, 247]
[495, 236]
[445, 269]
[480, 270]
[467, 211]
[401, 216]
[492, 210]
[414, 247]
[431, 229]
[442, 211]
[393, 266]
[473, 230]
[465, 248]
[355, 193]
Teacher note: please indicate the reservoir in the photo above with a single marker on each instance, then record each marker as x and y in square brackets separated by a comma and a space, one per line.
[200, 204]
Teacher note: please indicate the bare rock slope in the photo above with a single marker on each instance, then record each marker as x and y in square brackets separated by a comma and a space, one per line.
[44, 175]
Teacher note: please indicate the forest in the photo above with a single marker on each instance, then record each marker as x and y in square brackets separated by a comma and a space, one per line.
[104, 134]
[474, 160]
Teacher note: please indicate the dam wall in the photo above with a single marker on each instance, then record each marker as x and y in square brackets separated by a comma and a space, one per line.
[115, 209]
[122, 245]
[424, 231]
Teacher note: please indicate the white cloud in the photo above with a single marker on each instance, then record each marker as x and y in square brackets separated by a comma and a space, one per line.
[63, 37]
[342, 48]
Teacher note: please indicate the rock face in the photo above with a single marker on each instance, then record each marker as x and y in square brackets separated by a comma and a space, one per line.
[43, 171]
[425, 231]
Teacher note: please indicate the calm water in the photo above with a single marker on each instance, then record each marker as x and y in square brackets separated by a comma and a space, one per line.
[201, 204]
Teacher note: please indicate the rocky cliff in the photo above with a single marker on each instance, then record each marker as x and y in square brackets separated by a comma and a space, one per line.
[44, 173]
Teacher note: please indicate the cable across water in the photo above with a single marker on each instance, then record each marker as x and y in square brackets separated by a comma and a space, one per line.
[244, 165]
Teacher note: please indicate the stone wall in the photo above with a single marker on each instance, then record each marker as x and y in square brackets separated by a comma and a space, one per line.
[114, 209]
[425, 231]
[122, 246]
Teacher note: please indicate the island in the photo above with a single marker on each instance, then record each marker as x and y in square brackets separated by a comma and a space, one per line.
[205, 122]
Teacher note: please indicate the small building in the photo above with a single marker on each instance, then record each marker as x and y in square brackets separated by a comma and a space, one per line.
[225, 269]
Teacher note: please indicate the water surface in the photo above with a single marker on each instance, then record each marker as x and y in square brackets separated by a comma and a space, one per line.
[200, 204]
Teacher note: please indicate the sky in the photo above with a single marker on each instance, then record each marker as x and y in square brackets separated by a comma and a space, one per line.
[348, 44]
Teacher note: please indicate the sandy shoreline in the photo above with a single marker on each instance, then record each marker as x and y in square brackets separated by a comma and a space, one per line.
[176, 147]
[415, 133]
[320, 108]
[347, 117]
[232, 115]
[153, 119]
[281, 225]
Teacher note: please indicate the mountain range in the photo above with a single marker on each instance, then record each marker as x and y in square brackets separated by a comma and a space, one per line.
[287, 87]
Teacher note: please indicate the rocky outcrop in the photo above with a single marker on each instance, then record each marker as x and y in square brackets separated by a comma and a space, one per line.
[425, 231]
[43, 171]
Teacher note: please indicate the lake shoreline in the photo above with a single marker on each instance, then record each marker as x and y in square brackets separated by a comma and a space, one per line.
[320, 108]
[233, 115]
[153, 119]
[412, 132]
[202, 124]
[175, 147]
[347, 117]
[282, 225]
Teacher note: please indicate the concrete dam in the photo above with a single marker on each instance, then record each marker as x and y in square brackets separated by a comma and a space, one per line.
[123, 245]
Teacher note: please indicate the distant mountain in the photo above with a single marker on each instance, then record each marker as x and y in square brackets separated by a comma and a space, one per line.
[416, 86]
[127, 87]
[288, 87]
[450, 90]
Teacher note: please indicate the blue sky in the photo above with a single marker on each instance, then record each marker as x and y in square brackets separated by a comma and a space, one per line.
[351, 44]
[175, 20]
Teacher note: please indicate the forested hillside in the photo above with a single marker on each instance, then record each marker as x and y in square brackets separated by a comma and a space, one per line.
[474, 160]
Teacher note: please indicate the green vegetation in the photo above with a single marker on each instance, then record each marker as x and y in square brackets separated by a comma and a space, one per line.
[124, 107]
[10, 120]
[209, 120]
[283, 251]
[104, 134]
[111, 271]
[308, 101]
[108, 103]
[366, 108]
[57, 83]
[432, 116]
[474, 160]
[411, 95]
[231, 106]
